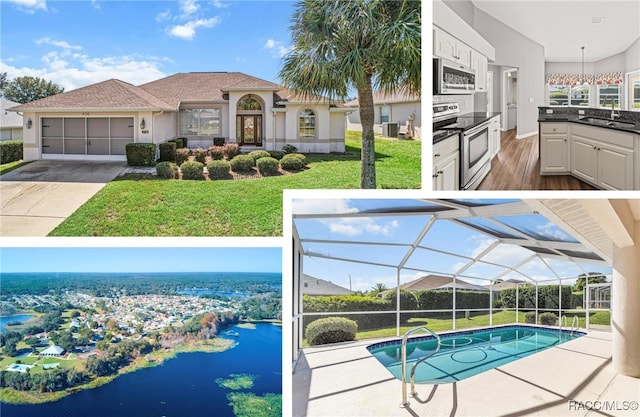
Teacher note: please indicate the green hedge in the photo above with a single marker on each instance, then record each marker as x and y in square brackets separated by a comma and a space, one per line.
[218, 141]
[547, 297]
[331, 330]
[10, 151]
[293, 162]
[242, 163]
[268, 166]
[339, 303]
[259, 154]
[168, 170]
[141, 154]
[218, 169]
[167, 151]
[192, 170]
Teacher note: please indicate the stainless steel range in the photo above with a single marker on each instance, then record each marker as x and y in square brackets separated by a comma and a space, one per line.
[473, 131]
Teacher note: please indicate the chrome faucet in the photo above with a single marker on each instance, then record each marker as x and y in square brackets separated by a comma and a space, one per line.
[613, 111]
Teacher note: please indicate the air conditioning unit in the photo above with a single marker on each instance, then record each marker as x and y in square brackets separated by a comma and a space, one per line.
[390, 130]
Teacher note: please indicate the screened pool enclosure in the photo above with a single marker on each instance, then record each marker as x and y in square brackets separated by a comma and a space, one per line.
[394, 264]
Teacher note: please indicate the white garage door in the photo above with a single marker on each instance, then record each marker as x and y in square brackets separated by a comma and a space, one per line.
[86, 135]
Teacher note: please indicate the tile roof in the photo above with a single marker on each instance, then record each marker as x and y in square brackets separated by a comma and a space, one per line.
[317, 286]
[8, 118]
[110, 94]
[434, 282]
[203, 86]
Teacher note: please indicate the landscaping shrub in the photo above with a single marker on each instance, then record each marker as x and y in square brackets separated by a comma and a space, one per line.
[259, 154]
[10, 151]
[291, 162]
[547, 297]
[167, 151]
[547, 318]
[200, 155]
[167, 170]
[530, 317]
[242, 163]
[216, 152]
[141, 154]
[289, 149]
[276, 154]
[182, 155]
[231, 150]
[408, 299]
[181, 142]
[498, 303]
[218, 168]
[192, 170]
[268, 166]
[218, 141]
[335, 303]
[331, 330]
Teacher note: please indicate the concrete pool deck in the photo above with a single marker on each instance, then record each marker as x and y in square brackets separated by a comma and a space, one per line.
[565, 380]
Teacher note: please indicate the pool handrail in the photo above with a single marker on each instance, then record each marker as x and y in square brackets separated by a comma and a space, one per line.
[405, 403]
[575, 326]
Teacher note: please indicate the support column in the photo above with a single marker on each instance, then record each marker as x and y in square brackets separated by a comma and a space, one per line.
[625, 319]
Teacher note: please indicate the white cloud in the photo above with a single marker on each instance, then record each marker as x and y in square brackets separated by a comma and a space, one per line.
[162, 16]
[188, 7]
[317, 206]
[277, 48]
[219, 4]
[74, 70]
[96, 5]
[58, 44]
[554, 232]
[188, 30]
[29, 6]
[360, 225]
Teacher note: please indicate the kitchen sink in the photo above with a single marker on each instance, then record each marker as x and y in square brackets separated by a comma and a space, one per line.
[608, 122]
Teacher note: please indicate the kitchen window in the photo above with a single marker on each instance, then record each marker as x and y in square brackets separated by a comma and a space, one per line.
[569, 95]
[608, 94]
[200, 122]
[633, 91]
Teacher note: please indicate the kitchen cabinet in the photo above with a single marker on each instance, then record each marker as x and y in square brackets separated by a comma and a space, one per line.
[446, 164]
[603, 157]
[480, 63]
[554, 148]
[448, 47]
[494, 135]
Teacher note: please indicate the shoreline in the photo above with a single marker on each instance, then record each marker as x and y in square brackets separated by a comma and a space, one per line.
[158, 357]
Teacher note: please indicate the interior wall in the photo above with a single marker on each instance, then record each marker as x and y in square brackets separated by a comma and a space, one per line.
[510, 46]
[632, 57]
[497, 87]
[463, 8]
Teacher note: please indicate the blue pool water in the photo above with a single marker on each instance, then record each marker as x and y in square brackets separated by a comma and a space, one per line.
[467, 353]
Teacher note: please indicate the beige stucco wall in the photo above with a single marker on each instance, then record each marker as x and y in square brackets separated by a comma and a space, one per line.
[398, 113]
[165, 126]
[266, 97]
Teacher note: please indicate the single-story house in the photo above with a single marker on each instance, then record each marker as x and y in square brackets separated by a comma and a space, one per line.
[437, 282]
[395, 115]
[97, 121]
[316, 286]
[10, 122]
[54, 350]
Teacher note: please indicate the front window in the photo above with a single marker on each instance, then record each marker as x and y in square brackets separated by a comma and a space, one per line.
[608, 95]
[249, 103]
[307, 124]
[200, 122]
[384, 114]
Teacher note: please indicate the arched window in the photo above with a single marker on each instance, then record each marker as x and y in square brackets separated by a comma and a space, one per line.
[307, 124]
[249, 103]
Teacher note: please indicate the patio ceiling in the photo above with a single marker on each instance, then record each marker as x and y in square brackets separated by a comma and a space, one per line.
[481, 239]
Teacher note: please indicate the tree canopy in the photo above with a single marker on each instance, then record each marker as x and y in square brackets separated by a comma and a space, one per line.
[26, 89]
[594, 278]
[368, 45]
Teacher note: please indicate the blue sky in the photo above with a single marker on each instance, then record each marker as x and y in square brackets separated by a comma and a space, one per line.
[137, 259]
[77, 43]
[443, 235]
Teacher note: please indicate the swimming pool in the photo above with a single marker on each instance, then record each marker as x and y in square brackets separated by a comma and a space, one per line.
[467, 353]
[16, 367]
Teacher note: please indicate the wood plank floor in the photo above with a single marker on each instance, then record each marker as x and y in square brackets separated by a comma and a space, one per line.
[517, 167]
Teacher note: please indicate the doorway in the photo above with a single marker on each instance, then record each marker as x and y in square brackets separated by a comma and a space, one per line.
[510, 99]
[249, 129]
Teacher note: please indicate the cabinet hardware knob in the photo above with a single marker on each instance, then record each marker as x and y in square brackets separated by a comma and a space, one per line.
[435, 175]
[436, 155]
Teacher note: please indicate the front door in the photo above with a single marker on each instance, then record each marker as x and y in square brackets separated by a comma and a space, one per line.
[249, 129]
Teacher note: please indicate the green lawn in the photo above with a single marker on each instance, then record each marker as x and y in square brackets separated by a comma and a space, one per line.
[152, 207]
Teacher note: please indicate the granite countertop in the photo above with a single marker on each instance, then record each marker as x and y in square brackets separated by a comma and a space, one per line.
[600, 122]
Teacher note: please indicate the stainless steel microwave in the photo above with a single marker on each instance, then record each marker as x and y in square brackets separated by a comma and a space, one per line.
[452, 78]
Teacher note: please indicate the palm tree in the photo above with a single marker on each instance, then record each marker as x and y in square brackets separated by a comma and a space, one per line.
[339, 45]
[379, 287]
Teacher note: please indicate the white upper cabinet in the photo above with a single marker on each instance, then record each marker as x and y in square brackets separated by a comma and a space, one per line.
[448, 47]
[480, 63]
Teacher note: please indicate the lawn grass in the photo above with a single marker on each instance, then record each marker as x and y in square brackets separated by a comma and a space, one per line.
[10, 166]
[143, 206]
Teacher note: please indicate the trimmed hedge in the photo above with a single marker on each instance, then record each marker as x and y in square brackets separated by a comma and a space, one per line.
[268, 166]
[10, 151]
[289, 149]
[218, 169]
[331, 330]
[276, 154]
[548, 319]
[231, 150]
[200, 155]
[167, 151]
[182, 155]
[192, 170]
[293, 162]
[547, 297]
[218, 141]
[242, 163]
[530, 317]
[167, 170]
[259, 154]
[337, 303]
[216, 152]
[141, 154]
[181, 142]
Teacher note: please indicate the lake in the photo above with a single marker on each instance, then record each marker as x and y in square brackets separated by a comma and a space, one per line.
[5, 320]
[181, 387]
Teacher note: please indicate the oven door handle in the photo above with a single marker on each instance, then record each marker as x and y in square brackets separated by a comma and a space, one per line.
[476, 129]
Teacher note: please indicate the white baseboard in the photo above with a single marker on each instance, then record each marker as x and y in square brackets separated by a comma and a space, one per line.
[526, 135]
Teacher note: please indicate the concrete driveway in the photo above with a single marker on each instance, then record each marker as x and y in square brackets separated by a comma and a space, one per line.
[37, 197]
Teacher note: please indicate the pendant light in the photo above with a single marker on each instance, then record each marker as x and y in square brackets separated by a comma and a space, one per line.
[584, 81]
